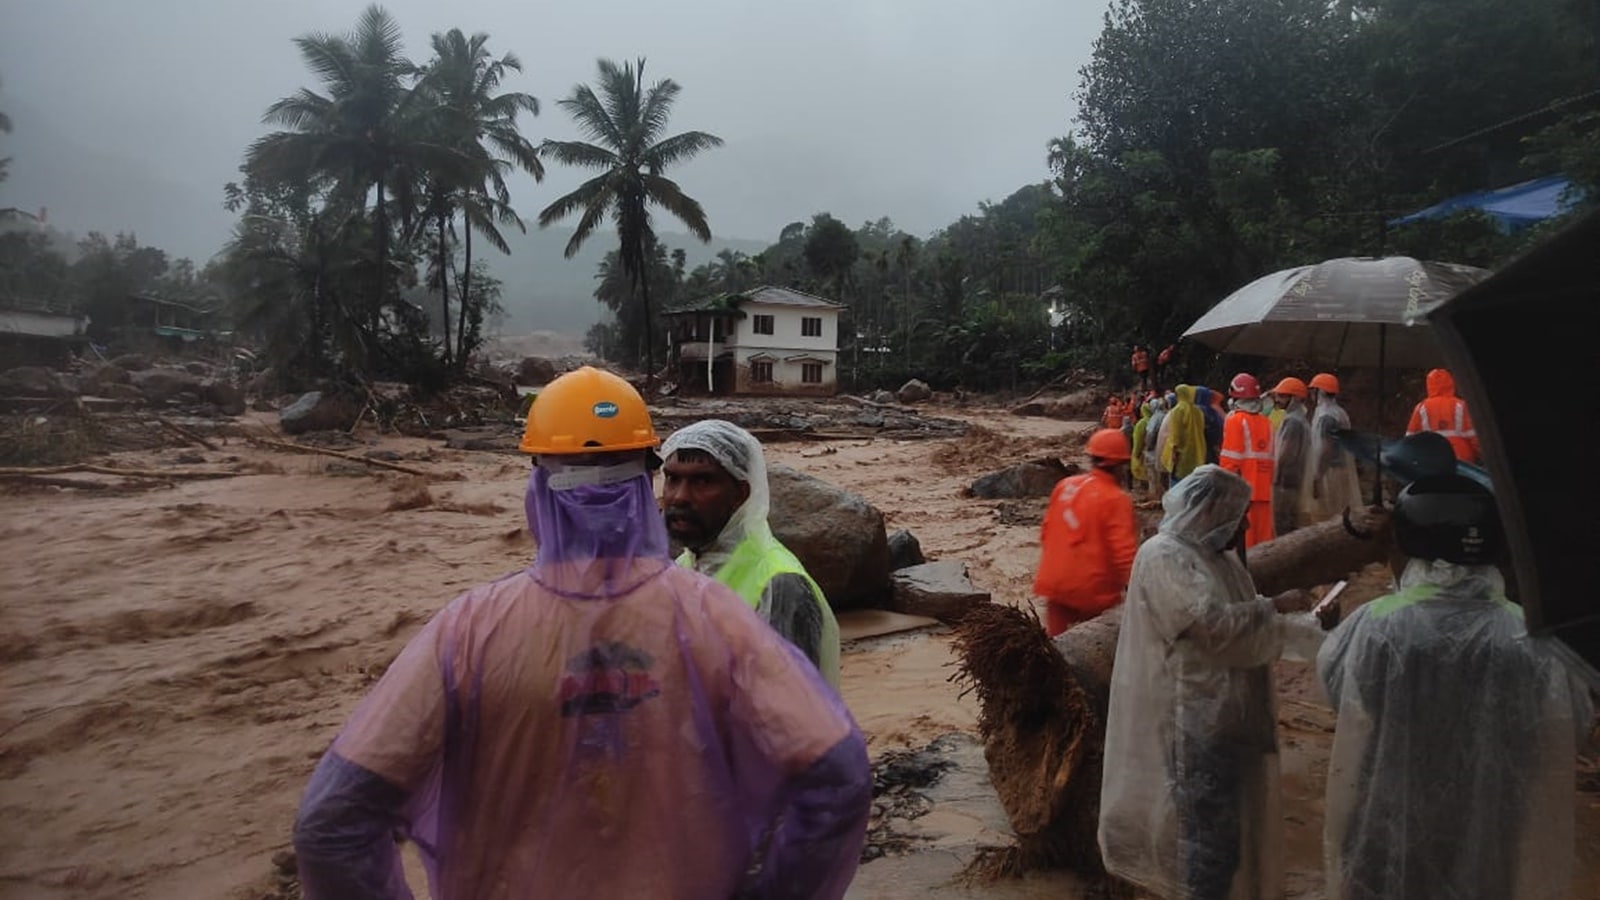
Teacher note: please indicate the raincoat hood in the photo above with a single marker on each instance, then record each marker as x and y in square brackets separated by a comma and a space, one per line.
[739, 453]
[589, 535]
[1441, 384]
[1205, 508]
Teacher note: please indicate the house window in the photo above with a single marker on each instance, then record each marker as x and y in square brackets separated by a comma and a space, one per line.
[761, 372]
[811, 373]
[762, 324]
[811, 326]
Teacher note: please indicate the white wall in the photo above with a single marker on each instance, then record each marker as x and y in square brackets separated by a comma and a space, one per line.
[786, 374]
[51, 325]
[786, 328]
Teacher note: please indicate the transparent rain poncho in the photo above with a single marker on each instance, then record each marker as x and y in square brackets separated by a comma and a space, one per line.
[1452, 773]
[1189, 797]
[602, 724]
[740, 455]
[1330, 485]
[1291, 444]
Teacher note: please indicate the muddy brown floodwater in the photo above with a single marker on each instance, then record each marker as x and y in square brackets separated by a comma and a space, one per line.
[175, 660]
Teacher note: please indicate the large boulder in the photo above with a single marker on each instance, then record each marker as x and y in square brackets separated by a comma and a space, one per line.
[33, 381]
[536, 370]
[160, 385]
[882, 396]
[1084, 405]
[905, 550]
[227, 396]
[837, 535]
[939, 590]
[317, 411]
[98, 381]
[132, 362]
[1036, 478]
[914, 391]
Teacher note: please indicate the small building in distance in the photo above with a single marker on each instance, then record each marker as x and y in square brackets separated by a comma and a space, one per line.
[768, 340]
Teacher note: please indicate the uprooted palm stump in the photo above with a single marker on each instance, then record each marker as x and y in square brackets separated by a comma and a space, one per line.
[1042, 703]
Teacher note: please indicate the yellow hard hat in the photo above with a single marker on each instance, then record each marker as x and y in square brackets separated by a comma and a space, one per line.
[588, 411]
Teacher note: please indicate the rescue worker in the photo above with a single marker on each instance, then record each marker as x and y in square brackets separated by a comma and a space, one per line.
[600, 724]
[1164, 363]
[1145, 467]
[1210, 403]
[1290, 446]
[1276, 411]
[1112, 417]
[1330, 486]
[1152, 444]
[716, 499]
[1446, 414]
[1088, 538]
[1183, 449]
[1454, 753]
[1247, 452]
[1189, 797]
[1141, 366]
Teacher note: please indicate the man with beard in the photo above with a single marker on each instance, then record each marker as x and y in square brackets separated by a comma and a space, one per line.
[715, 498]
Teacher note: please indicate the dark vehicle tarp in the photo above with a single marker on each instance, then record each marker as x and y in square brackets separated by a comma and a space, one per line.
[1523, 348]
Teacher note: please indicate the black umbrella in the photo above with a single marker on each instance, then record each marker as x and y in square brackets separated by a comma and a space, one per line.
[1351, 311]
[1522, 348]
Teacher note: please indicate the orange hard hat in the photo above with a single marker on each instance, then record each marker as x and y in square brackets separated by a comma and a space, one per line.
[1109, 444]
[1325, 382]
[588, 411]
[1244, 386]
[1293, 387]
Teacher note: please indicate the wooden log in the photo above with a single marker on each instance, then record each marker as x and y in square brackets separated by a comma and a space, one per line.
[110, 470]
[186, 434]
[323, 451]
[1319, 554]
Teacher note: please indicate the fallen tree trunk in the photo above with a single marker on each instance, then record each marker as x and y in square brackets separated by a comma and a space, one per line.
[323, 451]
[1043, 703]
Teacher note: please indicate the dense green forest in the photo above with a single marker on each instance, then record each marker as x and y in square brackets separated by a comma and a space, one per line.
[1215, 140]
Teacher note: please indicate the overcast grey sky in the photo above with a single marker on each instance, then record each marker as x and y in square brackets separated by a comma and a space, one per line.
[912, 109]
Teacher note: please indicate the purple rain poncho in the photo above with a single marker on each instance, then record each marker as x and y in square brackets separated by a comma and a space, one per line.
[603, 724]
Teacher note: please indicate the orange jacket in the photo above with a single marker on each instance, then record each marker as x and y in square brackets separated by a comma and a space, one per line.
[1112, 417]
[1247, 451]
[1447, 414]
[1087, 544]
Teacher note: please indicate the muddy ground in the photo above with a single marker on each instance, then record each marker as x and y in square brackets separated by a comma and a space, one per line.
[176, 659]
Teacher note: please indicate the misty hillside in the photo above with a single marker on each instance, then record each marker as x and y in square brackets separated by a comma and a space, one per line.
[99, 189]
[545, 291]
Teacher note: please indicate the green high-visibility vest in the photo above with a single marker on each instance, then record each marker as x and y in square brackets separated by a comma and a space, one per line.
[758, 559]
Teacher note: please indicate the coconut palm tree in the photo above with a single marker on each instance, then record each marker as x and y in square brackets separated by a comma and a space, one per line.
[481, 126]
[353, 140]
[5, 161]
[625, 121]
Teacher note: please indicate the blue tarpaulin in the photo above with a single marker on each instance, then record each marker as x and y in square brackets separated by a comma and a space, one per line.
[1511, 208]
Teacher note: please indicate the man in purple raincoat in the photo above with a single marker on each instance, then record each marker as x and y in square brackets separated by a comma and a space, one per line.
[601, 724]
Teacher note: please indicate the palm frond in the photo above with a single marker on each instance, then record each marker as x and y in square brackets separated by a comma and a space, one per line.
[592, 117]
[657, 109]
[329, 57]
[301, 111]
[578, 153]
[665, 193]
[679, 148]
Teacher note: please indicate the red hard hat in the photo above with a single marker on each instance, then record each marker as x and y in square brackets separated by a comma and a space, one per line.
[1244, 387]
[1109, 444]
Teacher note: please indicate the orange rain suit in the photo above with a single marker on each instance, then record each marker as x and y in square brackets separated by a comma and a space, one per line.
[1087, 543]
[1247, 453]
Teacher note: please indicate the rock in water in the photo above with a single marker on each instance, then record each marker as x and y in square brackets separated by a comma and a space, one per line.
[228, 398]
[160, 385]
[914, 391]
[904, 550]
[837, 535]
[95, 383]
[1030, 479]
[939, 590]
[316, 411]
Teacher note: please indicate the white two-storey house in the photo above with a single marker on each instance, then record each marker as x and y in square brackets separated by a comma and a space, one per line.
[768, 340]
